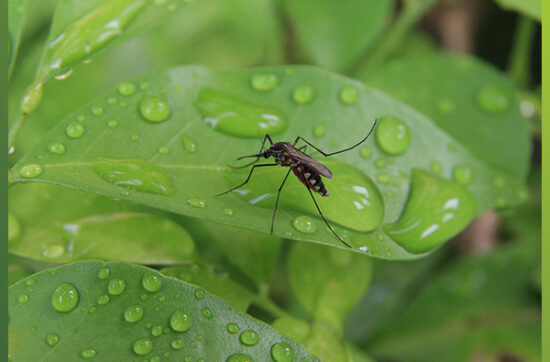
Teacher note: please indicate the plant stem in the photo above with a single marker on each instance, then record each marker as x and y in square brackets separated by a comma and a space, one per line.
[14, 130]
[520, 56]
[412, 11]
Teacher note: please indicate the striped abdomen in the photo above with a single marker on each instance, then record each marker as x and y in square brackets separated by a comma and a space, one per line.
[310, 178]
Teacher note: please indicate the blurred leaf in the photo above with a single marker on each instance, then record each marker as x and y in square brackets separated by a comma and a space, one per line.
[531, 8]
[113, 150]
[326, 281]
[16, 16]
[62, 225]
[128, 325]
[214, 282]
[335, 33]
[462, 94]
[479, 305]
[221, 34]
[17, 269]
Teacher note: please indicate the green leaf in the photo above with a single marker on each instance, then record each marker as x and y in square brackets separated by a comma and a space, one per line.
[327, 282]
[17, 269]
[483, 305]
[61, 225]
[16, 16]
[334, 34]
[531, 8]
[467, 99]
[168, 319]
[115, 146]
[214, 281]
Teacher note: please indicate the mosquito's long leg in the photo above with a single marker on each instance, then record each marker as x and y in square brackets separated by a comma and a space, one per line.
[267, 137]
[323, 216]
[277, 201]
[248, 178]
[334, 153]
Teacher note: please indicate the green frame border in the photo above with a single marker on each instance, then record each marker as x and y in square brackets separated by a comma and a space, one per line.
[4, 186]
[545, 183]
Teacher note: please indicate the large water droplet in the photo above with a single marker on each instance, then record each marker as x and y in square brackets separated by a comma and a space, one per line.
[51, 340]
[282, 352]
[88, 353]
[239, 357]
[188, 144]
[180, 321]
[126, 88]
[53, 251]
[74, 130]
[349, 94]
[64, 297]
[133, 313]
[154, 109]
[31, 171]
[31, 99]
[304, 224]
[493, 98]
[436, 210]
[393, 135]
[22, 299]
[264, 81]
[151, 282]
[116, 286]
[135, 175]
[236, 117]
[196, 203]
[249, 338]
[302, 94]
[142, 346]
[463, 174]
[57, 148]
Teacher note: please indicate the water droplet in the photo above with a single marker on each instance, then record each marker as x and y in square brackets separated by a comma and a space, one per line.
[236, 117]
[199, 294]
[32, 98]
[103, 299]
[500, 182]
[383, 178]
[164, 150]
[264, 81]
[463, 174]
[302, 94]
[151, 282]
[30, 282]
[233, 328]
[57, 148]
[88, 353]
[249, 337]
[154, 359]
[92, 310]
[103, 273]
[364, 249]
[31, 171]
[64, 75]
[126, 88]
[436, 210]
[51, 340]
[154, 109]
[134, 137]
[143, 296]
[112, 124]
[207, 313]
[239, 357]
[349, 94]
[196, 203]
[493, 98]
[74, 130]
[81, 118]
[227, 212]
[156, 331]
[116, 286]
[177, 343]
[180, 321]
[142, 346]
[137, 175]
[380, 163]
[188, 144]
[393, 135]
[22, 299]
[304, 224]
[282, 352]
[437, 167]
[446, 106]
[366, 152]
[319, 130]
[144, 85]
[112, 100]
[53, 251]
[64, 297]
[133, 313]
[97, 110]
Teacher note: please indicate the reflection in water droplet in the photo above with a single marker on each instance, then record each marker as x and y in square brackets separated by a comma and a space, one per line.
[103, 273]
[151, 282]
[304, 224]
[57, 148]
[74, 130]
[463, 174]
[282, 352]
[436, 210]
[135, 175]
[196, 203]
[142, 346]
[239, 357]
[97, 110]
[126, 88]
[116, 286]
[31, 99]
[493, 98]
[156, 331]
[64, 297]
[133, 313]
[51, 340]
[188, 144]
[180, 321]
[207, 313]
[103, 299]
[264, 81]
[31, 171]
[22, 299]
[393, 135]
[236, 117]
[249, 338]
[233, 328]
[349, 94]
[112, 124]
[302, 94]
[154, 109]
[199, 294]
[88, 353]
[319, 130]
[64, 75]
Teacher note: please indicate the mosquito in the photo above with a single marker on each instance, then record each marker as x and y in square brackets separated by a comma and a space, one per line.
[308, 170]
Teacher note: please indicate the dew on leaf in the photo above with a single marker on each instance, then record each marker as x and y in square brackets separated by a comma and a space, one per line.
[103, 299]
[249, 337]
[97, 110]
[282, 352]
[51, 340]
[116, 286]
[188, 144]
[304, 224]
[196, 203]
[380, 163]
[57, 148]
[65, 297]
[264, 81]
[180, 321]
[103, 273]
[151, 282]
[142, 346]
[164, 150]
[112, 124]
[88, 353]
[227, 212]
[22, 299]
[133, 313]
[207, 313]
[463, 174]
[74, 130]
[177, 343]
[156, 331]
[383, 178]
[393, 135]
[233, 328]
[302, 94]
[66, 74]
[349, 94]
[239, 357]
[154, 109]
[53, 251]
[126, 88]
[199, 294]
[493, 98]
[30, 171]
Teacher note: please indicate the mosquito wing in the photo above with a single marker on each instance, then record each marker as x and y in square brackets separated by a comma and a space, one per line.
[311, 163]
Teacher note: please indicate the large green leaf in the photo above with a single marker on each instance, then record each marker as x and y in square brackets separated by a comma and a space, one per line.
[60, 225]
[119, 312]
[208, 118]
[334, 34]
[16, 16]
[327, 282]
[467, 99]
[532, 8]
[482, 306]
